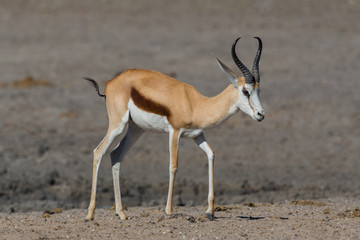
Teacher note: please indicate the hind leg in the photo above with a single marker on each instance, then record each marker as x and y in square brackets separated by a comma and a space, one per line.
[117, 155]
[99, 151]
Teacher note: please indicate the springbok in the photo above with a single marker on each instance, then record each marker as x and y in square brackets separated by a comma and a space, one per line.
[146, 100]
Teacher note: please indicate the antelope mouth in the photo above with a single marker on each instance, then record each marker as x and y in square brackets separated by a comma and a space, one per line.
[259, 118]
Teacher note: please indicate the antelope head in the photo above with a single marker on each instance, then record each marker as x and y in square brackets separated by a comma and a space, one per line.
[248, 86]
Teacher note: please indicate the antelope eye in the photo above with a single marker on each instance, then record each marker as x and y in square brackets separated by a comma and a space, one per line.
[245, 92]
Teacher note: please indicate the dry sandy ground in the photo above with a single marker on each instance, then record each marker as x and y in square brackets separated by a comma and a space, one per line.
[327, 219]
[306, 148]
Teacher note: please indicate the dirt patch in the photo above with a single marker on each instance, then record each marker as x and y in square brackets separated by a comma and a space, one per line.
[220, 208]
[350, 213]
[53, 120]
[272, 221]
[250, 204]
[27, 82]
[307, 203]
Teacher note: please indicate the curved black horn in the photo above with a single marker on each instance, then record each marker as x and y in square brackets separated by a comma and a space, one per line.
[247, 74]
[255, 68]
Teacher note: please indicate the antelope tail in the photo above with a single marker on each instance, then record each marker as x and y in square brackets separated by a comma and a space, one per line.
[96, 86]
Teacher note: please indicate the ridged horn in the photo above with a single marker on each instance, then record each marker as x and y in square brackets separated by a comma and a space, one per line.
[255, 68]
[247, 74]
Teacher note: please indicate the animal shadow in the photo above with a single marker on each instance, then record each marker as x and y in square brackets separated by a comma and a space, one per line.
[250, 217]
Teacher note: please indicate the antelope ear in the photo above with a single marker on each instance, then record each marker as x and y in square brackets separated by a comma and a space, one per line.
[228, 73]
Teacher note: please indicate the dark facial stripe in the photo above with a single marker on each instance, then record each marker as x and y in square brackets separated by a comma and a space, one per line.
[148, 105]
[251, 106]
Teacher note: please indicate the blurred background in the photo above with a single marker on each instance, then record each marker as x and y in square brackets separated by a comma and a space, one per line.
[50, 119]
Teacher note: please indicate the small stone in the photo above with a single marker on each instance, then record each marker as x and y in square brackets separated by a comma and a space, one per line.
[46, 215]
[327, 211]
[57, 210]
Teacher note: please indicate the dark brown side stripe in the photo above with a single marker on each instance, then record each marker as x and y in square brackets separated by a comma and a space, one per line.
[148, 105]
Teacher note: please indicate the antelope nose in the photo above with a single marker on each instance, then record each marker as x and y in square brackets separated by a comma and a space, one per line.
[260, 115]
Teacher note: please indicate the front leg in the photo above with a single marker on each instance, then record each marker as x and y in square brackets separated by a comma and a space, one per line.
[174, 136]
[201, 142]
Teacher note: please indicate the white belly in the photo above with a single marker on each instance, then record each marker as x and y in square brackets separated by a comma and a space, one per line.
[156, 123]
[148, 121]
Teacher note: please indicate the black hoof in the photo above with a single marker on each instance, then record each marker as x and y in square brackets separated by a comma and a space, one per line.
[210, 216]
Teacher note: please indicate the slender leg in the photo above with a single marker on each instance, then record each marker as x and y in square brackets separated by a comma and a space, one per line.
[117, 156]
[99, 152]
[174, 136]
[201, 142]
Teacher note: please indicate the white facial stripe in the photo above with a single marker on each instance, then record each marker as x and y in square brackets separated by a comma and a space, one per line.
[250, 105]
[255, 101]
